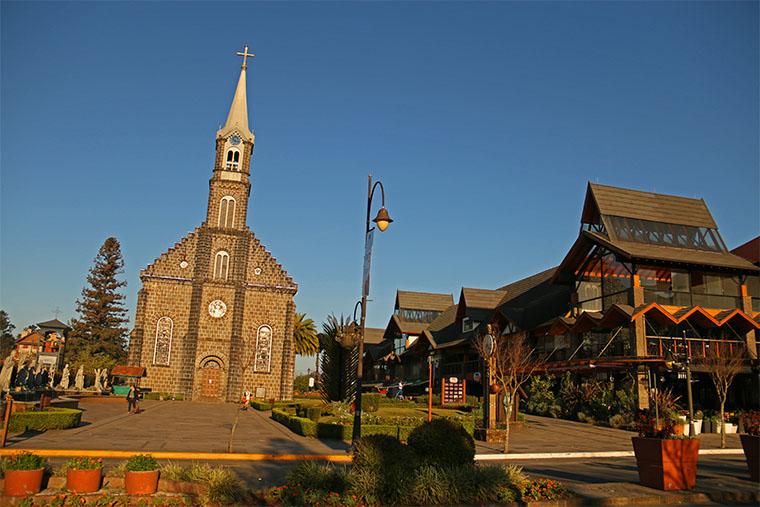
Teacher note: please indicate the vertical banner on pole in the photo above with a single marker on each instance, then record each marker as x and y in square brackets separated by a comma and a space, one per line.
[367, 261]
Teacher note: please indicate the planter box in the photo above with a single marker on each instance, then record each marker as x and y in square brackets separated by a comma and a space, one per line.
[83, 481]
[667, 464]
[751, 446]
[23, 482]
[730, 428]
[141, 483]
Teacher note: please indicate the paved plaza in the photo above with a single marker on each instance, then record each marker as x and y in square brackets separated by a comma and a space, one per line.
[176, 426]
[223, 427]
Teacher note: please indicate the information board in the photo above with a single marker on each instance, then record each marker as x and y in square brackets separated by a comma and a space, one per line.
[453, 391]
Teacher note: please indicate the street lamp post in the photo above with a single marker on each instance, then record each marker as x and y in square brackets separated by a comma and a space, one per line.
[687, 365]
[382, 221]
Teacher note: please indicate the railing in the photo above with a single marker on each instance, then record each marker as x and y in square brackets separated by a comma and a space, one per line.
[666, 297]
[695, 347]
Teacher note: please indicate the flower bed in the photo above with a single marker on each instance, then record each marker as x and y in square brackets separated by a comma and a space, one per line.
[47, 419]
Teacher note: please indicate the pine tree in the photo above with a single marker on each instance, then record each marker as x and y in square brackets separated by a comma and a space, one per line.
[6, 334]
[98, 336]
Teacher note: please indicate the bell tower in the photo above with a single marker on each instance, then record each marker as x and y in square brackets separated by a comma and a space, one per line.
[230, 187]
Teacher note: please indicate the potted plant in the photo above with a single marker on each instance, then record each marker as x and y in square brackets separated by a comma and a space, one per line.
[698, 421]
[665, 461]
[730, 423]
[23, 474]
[83, 475]
[141, 477]
[751, 442]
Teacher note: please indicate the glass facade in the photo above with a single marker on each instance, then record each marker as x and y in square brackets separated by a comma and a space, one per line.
[602, 282]
[659, 233]
[667, 286]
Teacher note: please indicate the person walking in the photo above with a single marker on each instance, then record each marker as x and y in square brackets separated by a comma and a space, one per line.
[246, 400]
[136, 401]
[130, 398]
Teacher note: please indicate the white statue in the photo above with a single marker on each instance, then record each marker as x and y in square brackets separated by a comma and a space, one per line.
[6, 374]
[65, 378]
[79, 381]
[104, 379]
[98, 379]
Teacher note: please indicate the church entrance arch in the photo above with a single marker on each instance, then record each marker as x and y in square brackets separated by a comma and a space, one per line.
[211, 377]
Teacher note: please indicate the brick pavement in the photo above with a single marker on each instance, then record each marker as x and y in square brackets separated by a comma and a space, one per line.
[176, 426]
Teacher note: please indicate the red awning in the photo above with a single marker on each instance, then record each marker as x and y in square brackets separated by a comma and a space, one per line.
[128, 371]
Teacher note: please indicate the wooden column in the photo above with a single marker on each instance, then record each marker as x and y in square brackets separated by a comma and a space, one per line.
[750, 338]
[640, 345]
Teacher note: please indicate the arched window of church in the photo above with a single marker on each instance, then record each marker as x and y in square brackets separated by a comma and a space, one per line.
[227, 211]
[221, 265]
[233, 159]
[263, 356]
[162, 349]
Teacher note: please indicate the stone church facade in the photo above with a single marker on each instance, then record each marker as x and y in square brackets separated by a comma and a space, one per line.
[215, 313]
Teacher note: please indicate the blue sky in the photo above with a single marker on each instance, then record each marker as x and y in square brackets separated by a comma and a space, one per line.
[483, 120]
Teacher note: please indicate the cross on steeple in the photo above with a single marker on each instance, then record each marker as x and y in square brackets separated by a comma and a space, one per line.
[245, 54]
[57, 311]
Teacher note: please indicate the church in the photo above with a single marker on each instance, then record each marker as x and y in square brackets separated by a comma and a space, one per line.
[215, 312]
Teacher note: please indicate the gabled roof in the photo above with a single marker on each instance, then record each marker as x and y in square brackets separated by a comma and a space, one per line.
[406, 326]
[373, 335]
[443, 328]
[624, 202]
[632, 251]
[31, 339]
[749, 250]
[485, 299]
[644, 251]
[520, 287]
[53, 324]
[429, 301]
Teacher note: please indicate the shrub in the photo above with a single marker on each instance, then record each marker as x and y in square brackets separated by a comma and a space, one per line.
[442, 442]
[383, 470]
[314, 413]
[261, 405]
[619, 421]
[371, 402]
[84, 463]
[751, 422]
[47, 419]
[432, 487]
[299, 425]
[141, 463]
[174, 472]
[24, 461]
[320, 476]
[541, 399]
[335, 430]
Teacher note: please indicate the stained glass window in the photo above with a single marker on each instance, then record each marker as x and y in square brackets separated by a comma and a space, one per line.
[163, 346]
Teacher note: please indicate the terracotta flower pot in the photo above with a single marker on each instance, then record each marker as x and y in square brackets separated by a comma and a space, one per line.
[141, 483]
[751, 446]
[83, 481]
[23, 482]
[667, 464]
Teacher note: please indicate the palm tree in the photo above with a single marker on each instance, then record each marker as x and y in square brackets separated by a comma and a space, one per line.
[305, 336]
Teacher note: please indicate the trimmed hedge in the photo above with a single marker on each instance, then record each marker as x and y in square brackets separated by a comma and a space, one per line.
[261, 405]
[371, 402]
[298, 425]
[48, 419]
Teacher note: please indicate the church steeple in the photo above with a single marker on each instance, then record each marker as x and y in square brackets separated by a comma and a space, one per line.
[230, 187]
[237, 118]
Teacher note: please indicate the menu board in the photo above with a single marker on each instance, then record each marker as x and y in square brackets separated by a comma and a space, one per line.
[453, 391]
